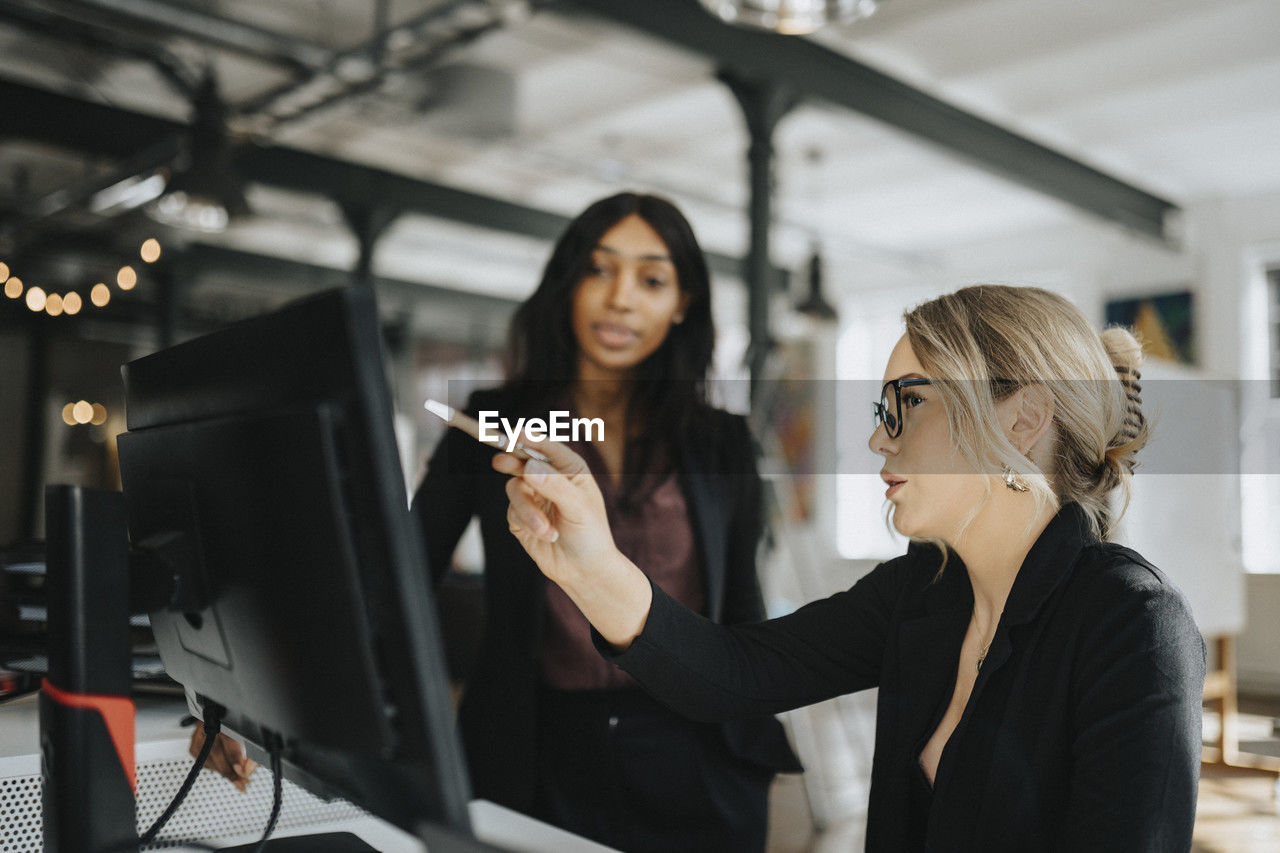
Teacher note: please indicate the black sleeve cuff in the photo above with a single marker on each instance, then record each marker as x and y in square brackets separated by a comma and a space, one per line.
[658, 627]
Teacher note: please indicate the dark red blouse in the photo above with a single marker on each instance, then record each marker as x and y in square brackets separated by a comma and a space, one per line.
[656, 534]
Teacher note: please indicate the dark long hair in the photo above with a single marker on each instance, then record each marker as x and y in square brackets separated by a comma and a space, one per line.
[670, 395]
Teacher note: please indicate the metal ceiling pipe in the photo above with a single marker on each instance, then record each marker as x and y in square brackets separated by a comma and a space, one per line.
[372, 60]
[210, 29]
[64, 27]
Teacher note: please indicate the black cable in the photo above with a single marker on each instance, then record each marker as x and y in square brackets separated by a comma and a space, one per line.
[277, 784]
[197, 843]
[212, 725]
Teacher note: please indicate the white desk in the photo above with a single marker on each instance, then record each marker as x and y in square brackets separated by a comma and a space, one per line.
[214, 811]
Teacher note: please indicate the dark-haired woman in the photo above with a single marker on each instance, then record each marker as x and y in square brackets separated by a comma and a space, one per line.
[618, 329]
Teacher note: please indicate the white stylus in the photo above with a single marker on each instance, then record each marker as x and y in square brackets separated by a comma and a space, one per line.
[471, 427]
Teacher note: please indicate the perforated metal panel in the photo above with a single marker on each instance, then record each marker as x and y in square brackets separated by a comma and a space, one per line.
[20, 814]
[213, 808]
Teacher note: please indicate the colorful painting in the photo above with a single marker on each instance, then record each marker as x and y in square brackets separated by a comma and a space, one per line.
[1165, 323]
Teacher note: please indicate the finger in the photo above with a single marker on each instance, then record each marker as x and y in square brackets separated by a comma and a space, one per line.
[223, 758]
[197, 741]
[569, 493]
[564, 460]
[508, 463]
[524, 514]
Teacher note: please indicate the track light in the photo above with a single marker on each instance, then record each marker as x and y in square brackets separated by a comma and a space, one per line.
[790, 17]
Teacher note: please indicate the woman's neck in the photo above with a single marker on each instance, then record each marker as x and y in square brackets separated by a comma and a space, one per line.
[993, 549]
[598, 393]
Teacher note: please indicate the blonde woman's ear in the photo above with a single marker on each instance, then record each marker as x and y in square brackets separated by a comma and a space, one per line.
[1034, 408]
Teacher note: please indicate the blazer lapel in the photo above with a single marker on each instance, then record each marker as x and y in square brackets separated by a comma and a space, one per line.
[1046, 565]
[929, 648]
[706, 498]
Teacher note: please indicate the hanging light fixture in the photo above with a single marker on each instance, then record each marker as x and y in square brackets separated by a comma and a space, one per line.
[205, 193]
[790, 17]
[815, 304]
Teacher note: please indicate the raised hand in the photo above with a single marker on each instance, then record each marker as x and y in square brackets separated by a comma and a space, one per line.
[557, 514]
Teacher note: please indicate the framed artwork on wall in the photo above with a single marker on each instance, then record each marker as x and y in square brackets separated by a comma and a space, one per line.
[1165, 323]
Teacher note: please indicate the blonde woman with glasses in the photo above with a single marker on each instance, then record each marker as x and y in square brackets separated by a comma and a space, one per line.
[1039, 685]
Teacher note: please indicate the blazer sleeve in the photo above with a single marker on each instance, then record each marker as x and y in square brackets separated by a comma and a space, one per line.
[714, 673]
[743, 601]
[446, 498]
[1137, 691]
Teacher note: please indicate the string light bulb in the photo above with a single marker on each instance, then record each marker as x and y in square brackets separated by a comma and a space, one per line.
[150, 251]
[4, 271]
[35, 299]
[71, 303]
[99, 415]
[13, 287]
[100, 295]
[127, 278]
[53, 305]
[68, 414]
[82, 411]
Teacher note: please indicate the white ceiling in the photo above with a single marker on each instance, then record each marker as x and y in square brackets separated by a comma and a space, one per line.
[1180, 97]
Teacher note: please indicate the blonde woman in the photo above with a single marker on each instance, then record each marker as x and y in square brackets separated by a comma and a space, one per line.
[1039, 686]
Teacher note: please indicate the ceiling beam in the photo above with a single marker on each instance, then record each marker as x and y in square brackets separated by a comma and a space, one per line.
[61, 120]
[205, 258]
[813, 71]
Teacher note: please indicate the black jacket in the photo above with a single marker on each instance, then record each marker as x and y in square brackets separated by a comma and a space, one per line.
[1082, 732]
[498, 716]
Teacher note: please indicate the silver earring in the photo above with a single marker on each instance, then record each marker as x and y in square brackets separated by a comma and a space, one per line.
[1012, 480]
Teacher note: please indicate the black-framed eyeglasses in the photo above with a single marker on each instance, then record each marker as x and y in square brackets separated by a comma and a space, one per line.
[892, 418]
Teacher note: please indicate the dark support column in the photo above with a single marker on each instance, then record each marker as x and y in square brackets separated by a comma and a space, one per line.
[368, 223]
[763, 106]
[34, 427]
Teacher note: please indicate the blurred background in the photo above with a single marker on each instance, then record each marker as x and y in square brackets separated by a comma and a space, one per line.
[168, 167]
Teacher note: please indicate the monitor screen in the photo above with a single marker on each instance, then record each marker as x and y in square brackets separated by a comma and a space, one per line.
[260, 470]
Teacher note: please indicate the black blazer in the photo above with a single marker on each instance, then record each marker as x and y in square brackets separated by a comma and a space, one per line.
[498, 716]
[1082, 732]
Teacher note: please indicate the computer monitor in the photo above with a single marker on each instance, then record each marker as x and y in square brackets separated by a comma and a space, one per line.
[261, 470]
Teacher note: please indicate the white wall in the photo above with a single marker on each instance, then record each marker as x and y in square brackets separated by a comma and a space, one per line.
[1258, 648]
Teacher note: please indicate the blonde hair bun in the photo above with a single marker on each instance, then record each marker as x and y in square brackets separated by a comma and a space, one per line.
[1125, 351]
